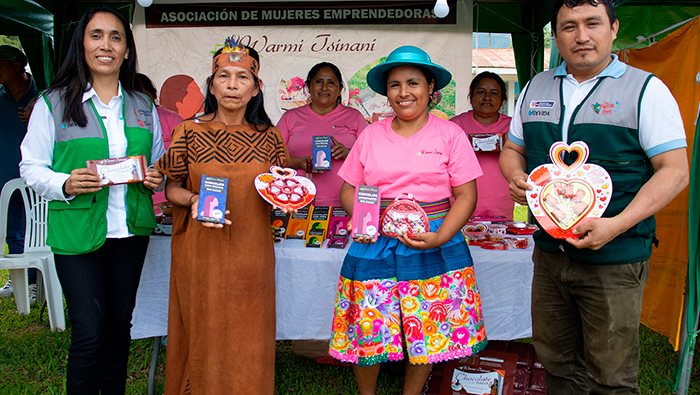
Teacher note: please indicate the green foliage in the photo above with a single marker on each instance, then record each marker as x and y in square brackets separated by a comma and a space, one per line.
[10, 40]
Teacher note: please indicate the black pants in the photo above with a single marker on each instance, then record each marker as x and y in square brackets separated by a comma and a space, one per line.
[100, 290]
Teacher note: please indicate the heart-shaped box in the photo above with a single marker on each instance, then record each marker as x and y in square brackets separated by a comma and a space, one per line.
[403, 217]
[282, 187]
[565, 196]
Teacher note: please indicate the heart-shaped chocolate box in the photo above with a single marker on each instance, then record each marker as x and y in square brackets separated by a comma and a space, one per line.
[567, 195]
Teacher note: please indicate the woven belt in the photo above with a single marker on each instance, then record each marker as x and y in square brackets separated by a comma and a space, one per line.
[434, 210]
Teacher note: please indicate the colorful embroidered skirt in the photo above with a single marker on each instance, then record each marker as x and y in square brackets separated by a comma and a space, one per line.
[391, 296]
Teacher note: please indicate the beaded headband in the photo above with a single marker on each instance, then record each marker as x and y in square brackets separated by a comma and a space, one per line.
[234, 54]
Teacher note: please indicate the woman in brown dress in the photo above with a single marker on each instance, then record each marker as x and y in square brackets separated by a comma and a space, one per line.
[221, 324]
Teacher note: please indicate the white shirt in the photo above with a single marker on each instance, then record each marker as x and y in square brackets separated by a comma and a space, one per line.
[660, 123]
[38, 148]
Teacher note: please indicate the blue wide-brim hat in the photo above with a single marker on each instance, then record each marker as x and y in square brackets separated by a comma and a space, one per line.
[407, 55]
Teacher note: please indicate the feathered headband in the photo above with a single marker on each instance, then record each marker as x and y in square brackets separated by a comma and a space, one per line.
[235, 54]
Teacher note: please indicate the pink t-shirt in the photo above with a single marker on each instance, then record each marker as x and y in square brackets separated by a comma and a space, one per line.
[299, 125]
[494, 195]
[427, 164]
[168, 121]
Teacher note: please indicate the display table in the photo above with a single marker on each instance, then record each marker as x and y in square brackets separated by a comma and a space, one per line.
[307, 281]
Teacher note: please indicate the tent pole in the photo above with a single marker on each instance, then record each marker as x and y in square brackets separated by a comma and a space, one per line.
[533, 44]
[686, 363]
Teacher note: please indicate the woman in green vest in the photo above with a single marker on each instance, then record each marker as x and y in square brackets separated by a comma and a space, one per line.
[99, 234]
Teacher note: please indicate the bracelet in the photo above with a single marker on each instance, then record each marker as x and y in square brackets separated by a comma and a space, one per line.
[193, 195]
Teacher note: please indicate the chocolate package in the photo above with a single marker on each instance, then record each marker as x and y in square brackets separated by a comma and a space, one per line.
[318, 225]
[489, 372]
[322, 153]
[365, 214]
[296, 228]
[115, 171]
[338, 228]
[487, 142]
[527, 379]
[279, 220]
[212, 199]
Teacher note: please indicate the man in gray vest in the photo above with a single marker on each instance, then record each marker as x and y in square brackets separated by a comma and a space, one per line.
[587, 291]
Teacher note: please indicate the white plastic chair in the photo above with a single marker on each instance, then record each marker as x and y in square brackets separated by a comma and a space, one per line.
[36, 253]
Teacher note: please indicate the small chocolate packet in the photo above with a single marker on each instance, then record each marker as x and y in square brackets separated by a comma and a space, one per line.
[212, 199]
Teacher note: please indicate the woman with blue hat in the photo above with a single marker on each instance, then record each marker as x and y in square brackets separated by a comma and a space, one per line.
[413, 294]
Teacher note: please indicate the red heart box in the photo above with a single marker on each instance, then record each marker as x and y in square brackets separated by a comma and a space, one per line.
[284, 189]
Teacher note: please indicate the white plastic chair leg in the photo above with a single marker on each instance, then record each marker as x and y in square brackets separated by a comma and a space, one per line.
[20, 285]
[54, 297]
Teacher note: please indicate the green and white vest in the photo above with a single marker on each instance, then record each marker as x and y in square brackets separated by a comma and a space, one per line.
[608, 121]
[80, 225]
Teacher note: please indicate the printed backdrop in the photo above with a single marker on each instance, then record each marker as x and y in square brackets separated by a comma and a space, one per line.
[176, 42]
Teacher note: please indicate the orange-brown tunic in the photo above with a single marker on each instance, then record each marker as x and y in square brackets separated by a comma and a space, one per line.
[221, 322]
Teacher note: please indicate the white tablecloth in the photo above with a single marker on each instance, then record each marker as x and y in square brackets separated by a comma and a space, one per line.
[307, 279]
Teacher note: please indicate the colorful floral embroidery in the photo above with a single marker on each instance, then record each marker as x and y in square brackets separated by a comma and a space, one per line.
[439, 319]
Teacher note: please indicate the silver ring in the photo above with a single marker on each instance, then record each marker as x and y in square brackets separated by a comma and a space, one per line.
[80, 184]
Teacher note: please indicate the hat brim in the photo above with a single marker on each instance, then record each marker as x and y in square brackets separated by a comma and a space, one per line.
[376, 81]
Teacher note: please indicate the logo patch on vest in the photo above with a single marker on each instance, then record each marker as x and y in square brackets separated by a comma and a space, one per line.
[605, 108]
[542, 104]
[145, 113]
[69, 125]
[538, 113]
[143, 125]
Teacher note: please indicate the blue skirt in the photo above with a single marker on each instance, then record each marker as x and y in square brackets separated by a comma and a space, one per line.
[393, 298]
[389, 258]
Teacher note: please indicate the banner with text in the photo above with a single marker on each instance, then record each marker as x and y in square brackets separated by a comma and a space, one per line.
[176, 43]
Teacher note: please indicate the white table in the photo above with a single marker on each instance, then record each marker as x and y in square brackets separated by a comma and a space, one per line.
[307, 279]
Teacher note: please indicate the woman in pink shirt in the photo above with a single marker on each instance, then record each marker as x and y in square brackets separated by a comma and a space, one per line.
[487, 93]
[323, 116]
[168, 121]
[415, 292]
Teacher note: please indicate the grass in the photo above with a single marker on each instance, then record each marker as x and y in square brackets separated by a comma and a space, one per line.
[33, 361]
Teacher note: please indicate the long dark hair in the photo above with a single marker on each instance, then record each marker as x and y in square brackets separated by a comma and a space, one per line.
[255, 113]
[317, 67]
[145, 85]
[74, 75]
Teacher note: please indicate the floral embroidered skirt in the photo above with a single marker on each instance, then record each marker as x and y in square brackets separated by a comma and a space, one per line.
[391, 296]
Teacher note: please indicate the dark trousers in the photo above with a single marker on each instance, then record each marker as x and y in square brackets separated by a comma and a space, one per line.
[100, 290]
[585, 324]
[15, 229]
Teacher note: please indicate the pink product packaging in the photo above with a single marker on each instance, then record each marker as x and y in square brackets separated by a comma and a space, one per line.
[365, 212]
[338, 228]
[338, 225]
